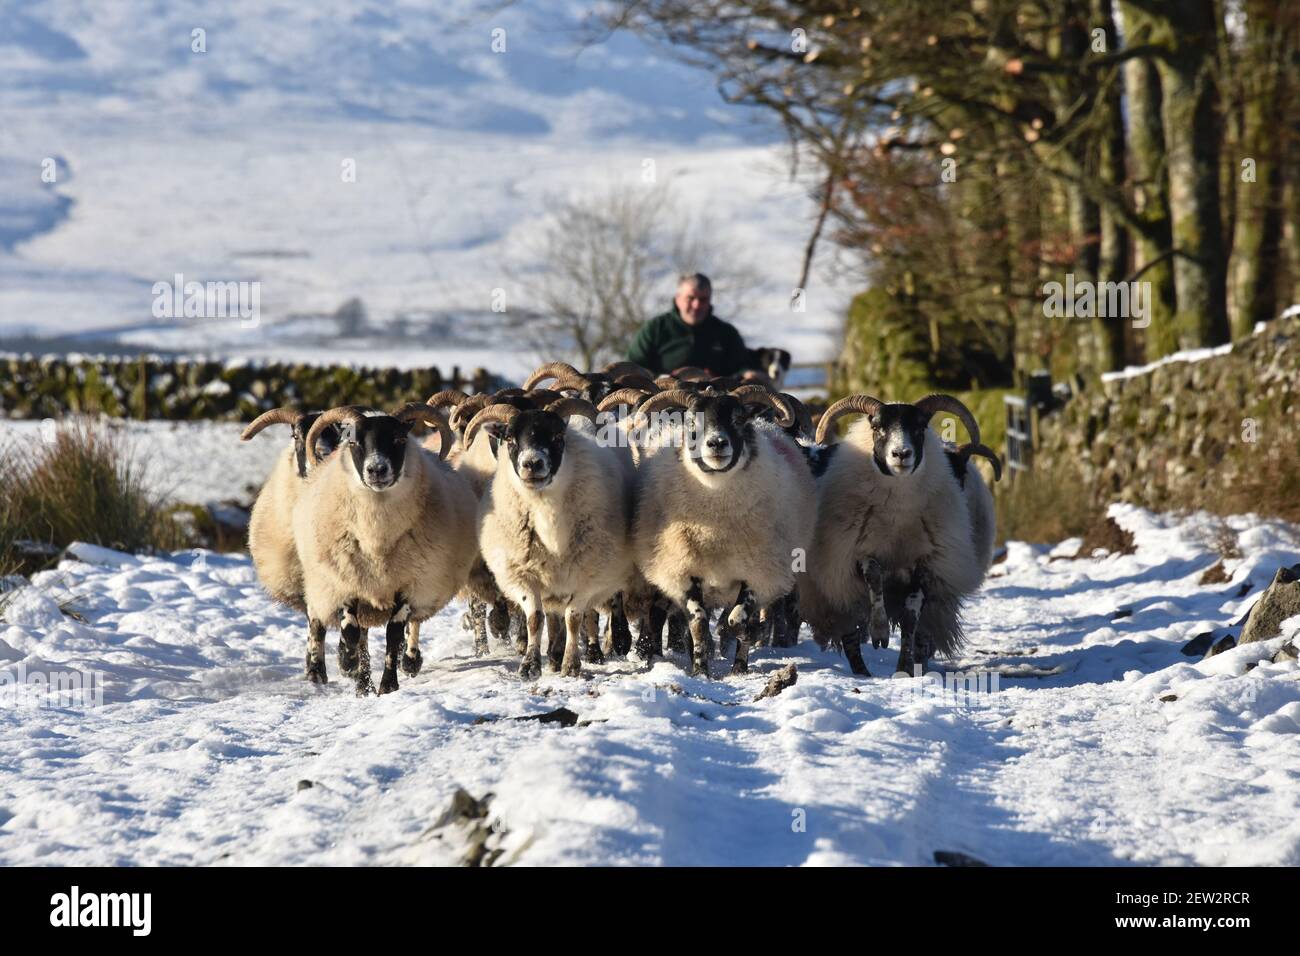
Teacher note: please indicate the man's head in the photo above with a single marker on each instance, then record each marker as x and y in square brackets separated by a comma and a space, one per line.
[694, 298]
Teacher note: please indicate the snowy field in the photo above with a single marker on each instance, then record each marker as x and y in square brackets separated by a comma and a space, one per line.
[228, 165]
[1104, 744]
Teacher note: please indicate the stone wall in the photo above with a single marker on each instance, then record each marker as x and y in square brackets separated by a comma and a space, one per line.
[189, 389]
[1179, 434]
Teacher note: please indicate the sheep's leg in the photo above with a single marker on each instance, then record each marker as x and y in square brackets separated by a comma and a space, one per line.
[746, 620]
[475, 621]
[347, 656]
[499, 620]
[394, 638]
[726, 632]
[620, 632]
[316, 652]
[793, 619]
[698, 622]
[358, 648]
[572, 665]
[649, 642]
[412, 660]
[531, 665]
[677, 631]
[556, 638]
[852, 644]
[519, 627]
[913, 651]
[878, 624]
[591, 631]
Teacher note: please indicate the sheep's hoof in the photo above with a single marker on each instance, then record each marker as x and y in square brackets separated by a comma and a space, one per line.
[521, 646]
[411, 663]
[531, 666]
[856, 663]
[740, 667]
[701, 669]
[878, 628]
[388, 683]
[348, 660]
[481, 647]
[554, 660]
[594, 654]
[315, 671]
[572, 666]
[365, 688]
[646, 650]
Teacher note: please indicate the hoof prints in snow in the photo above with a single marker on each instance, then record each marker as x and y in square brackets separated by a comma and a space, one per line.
[208, 731]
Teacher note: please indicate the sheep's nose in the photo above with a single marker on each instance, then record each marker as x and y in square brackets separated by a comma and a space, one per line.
[378, 469]
[531, 465]
[716, 442]
[902, 454]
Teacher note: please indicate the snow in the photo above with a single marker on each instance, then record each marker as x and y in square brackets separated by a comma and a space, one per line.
[207, 728]
[228, 165]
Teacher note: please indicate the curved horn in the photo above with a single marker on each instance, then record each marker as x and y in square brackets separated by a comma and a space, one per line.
[560, 371]
[932, 404]
[851, 405]
[421, 412]
[462, 413]
[635, 380]
[984, 451]
[276, 416]
[691, 373]
[573, 406]
[448, 396]
[623, 396]
[491, 413]
[616, 370]
[543, 396]
[341, 413]
[758, 395]
[672, 398]
[802, 417]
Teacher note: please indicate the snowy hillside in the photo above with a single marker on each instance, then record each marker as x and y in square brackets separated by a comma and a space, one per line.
[227, 164]
[1104, 743]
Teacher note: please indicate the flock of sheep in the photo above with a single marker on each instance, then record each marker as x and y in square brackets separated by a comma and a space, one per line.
[655, 501]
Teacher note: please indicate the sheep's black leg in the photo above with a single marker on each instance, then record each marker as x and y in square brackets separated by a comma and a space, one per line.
[519, 628]
[475, 621]
[746, 621]
[357, 649]
[572, 664]
[620, 632]
[793, 619]
[726, 631]
[531, 665]
[915, 646]
[698, 622]
[591, 632]
[395, 638]
[316, 652]
[772, 628]
[878, 623]
[499, 620]
[412, 660]
[649, 642]
[555, 640]
[852, 644]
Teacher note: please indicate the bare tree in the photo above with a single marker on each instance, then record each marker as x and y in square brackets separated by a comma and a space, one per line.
[607, 261]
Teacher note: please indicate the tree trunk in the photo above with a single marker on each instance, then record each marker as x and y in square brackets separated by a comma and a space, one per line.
[1113, 253]
[1186, 28]
[1257, 238]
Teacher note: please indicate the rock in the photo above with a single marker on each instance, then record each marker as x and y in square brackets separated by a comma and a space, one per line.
[1168, 698]
[1287, 652]
[1226, 643]
[779, 681]
[561, 715]
[1198, 645]
[1280, 601]
[305, 785]
[1122, 613]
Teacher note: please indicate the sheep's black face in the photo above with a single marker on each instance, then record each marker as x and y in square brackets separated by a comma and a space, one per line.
[534, 440]
[718, 434]
[378, 448]
[326, 442]
[898, 432]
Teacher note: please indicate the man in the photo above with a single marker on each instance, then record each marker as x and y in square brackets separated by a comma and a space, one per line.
[690, 334]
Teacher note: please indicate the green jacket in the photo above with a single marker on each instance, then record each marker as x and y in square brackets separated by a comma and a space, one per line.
[666, 342]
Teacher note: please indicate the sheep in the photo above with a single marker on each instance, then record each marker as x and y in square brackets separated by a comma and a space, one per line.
[270, 527]
[552, 525]
[904, 530]
[385, 533]
[775, 363]
[722, 516]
